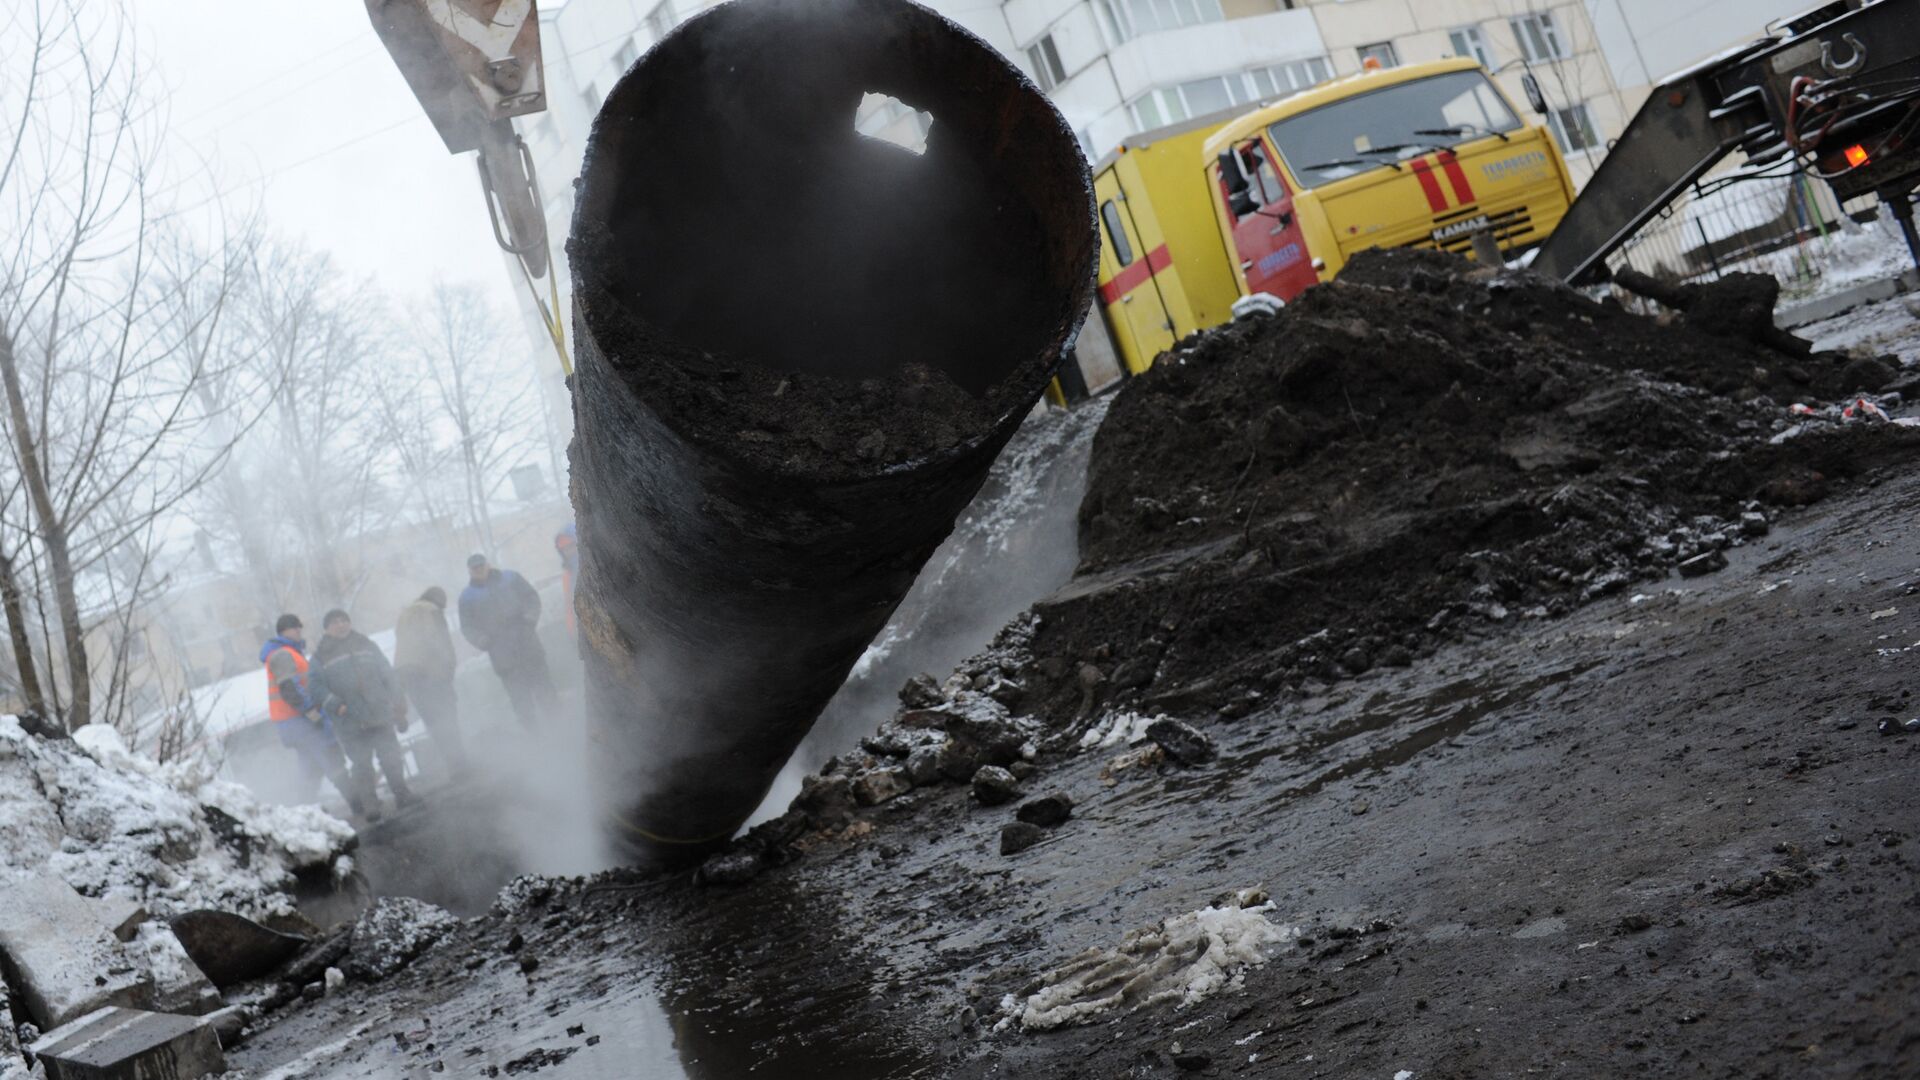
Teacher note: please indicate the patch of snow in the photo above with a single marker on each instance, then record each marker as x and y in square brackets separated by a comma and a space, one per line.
[1182, 960]
[1116, 728]
[392, 932]
[111, 823]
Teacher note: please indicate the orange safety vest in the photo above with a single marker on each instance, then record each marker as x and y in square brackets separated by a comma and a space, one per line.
[278, 708]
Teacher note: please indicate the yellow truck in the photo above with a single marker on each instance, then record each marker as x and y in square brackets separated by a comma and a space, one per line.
[1277, 199]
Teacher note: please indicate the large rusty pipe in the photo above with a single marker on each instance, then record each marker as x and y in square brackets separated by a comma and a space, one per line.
[799, 350]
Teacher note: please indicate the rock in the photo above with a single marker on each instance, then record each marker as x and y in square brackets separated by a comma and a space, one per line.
[1192, 1060]
[730, 868]
[877, 786]
[313, 963]
[1865, 374]
[1047, 811]
[958, 760]
[1018, 836]
[1704, 563]
[1021, 770]
[1632, 924]
[1754, 523]
[921, 692]
[1356, 661]
[1396, 656]
[826, 800]
[9, 1037]
[923, 766]
[394, 931]
[314, 990]
[230, 948]
[64, 962]
[130, 1044]
[1181, 741]
[993, 785]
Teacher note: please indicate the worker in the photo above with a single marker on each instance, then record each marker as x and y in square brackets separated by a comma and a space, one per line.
[357, 690]
[423, 658]
[499, 615]
[300, 725]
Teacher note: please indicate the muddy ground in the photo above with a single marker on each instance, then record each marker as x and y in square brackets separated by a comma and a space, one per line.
[1650, 826]
[1705, 760]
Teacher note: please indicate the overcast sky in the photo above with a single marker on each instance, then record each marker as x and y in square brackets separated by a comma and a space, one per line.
[297, 108]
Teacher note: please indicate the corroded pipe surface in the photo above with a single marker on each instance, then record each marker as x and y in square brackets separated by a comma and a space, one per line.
[799, 350]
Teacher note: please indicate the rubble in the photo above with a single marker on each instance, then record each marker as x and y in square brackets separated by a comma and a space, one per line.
[1182, 742]
[390, 934]
[1018, 836]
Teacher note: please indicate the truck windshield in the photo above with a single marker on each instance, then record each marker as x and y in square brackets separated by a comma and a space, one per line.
[1383, 127]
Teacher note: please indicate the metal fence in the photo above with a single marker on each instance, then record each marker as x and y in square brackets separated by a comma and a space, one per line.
[1773, 225]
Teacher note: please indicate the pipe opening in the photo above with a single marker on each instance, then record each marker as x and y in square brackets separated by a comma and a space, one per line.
[739, 217]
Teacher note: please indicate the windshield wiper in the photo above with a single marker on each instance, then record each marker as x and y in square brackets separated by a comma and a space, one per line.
[1464, 129]
[1337, 162]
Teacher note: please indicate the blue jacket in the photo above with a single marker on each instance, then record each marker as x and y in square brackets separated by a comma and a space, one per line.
[499, 616]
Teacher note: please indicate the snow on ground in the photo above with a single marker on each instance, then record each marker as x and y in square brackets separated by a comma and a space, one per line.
[1183, 960]
[111, 823]
[1890, 326]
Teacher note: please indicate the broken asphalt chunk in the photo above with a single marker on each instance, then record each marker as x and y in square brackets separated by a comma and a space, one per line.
[1047, 811]
[1181, 741]
[231, 948]
[993, 785]
[1018, 836]
[117, 1042]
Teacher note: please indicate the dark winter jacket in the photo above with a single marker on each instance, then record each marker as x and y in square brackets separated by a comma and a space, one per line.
[351, 673]
[499, 616]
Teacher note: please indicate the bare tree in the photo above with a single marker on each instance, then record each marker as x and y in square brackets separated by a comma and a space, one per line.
[486, 394]
[107, 319]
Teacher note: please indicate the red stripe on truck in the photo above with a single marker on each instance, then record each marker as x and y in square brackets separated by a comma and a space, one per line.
[1135, 275]
[1456, 176]
[1429, 184]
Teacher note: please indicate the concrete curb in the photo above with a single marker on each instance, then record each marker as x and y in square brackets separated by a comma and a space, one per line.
[1827, 307]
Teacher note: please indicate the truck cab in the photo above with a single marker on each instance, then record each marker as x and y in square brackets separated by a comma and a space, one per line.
[1425, 155]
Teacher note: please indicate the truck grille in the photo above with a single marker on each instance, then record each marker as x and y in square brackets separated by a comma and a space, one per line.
[1509, 226]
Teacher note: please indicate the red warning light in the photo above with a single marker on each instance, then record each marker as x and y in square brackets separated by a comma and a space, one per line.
[1856, 155]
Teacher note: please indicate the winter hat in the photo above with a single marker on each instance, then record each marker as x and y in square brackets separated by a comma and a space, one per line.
[334, 616]
[435, 595]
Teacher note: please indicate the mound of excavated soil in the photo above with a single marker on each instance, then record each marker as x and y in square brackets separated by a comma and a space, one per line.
[1412, 453]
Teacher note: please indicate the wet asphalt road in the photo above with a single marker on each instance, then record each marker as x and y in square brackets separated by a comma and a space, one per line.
[1661, 836]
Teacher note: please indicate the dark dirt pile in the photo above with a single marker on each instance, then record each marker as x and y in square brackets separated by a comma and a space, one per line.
[1413, 454]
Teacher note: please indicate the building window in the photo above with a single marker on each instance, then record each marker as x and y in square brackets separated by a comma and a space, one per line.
[1201, 96]
[660, 20]
[1147, 16]
[1113, 21]
[1381, 52]
[1045, 61]
[1469, 42]
[1286, 78]
[1116, 234]
[1573, 126]
[591, 95]
[624, 57]
[1539, 37]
